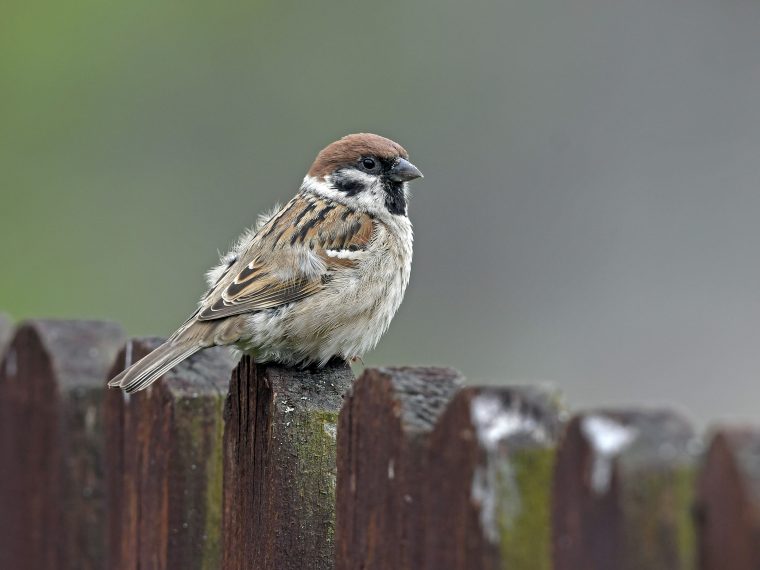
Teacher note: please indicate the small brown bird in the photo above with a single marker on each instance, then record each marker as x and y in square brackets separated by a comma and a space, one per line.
[321, 277]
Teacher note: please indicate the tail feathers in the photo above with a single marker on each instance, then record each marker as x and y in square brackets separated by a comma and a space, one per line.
[147, 370]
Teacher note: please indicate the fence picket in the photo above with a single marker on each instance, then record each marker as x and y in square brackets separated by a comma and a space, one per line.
[279, 466]
[623, 492]
[383, 433]
[164, 470]
[231, 466]
[729, 501]
[489, 477]
[51, 444]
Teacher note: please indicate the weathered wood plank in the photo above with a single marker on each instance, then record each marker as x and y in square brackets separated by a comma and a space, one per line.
[164, 467]
[729, 501]
[383, 434]
[623, 492]
[51, 445]
[279, 466]
[489, 475]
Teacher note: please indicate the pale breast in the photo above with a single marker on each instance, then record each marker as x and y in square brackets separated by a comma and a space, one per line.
[348, 316]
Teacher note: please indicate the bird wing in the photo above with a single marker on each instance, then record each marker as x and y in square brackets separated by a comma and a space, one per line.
[290, 258]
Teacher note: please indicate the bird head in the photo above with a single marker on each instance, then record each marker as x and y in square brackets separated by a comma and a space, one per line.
[364, 171]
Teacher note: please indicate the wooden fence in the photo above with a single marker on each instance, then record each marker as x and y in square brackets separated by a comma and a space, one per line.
[225, 465]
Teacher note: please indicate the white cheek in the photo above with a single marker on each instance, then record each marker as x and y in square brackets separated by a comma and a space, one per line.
[321, 188]
[366, 180]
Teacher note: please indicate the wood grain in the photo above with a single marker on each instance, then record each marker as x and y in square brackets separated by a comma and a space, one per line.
[623, 492]
[729, 501]
[51, 444]
[164, 470]
[279, 466]
[489, 479]
[383, 434]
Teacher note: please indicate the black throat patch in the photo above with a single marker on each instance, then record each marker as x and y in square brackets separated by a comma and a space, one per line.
[395, 200]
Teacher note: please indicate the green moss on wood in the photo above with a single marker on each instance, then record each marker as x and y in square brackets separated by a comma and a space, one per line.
[659, 530]
[684, 489]
[311, 436]
[199, 427]
[214, 478]
[524, 487]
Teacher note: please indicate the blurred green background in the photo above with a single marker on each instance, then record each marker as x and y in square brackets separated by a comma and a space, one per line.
[590, 209]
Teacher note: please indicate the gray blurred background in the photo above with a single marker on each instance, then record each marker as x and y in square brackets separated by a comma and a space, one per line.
[590, 209]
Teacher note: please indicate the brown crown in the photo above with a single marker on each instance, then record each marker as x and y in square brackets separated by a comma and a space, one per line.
[350, 149]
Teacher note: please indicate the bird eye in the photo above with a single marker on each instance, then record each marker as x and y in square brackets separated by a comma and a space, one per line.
[368, 163]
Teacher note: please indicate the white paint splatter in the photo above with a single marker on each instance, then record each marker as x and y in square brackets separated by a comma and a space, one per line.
[608, 439]
[494, 422]
[391, 470]
[494, 488]
[483, 493]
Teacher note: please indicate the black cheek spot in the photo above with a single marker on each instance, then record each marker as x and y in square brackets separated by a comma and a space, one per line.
[347, 185]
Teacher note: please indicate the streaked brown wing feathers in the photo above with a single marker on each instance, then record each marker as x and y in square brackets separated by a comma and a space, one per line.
[305, 223]
[267, 296]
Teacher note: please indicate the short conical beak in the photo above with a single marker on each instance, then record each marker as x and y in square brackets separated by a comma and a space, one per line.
[404, 171]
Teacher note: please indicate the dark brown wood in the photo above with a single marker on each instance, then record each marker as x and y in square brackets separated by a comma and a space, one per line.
[729, 501]
[164, 468]
[279, 466]
[623, 492]
[383, 435]
[489, 476]
[51, 444]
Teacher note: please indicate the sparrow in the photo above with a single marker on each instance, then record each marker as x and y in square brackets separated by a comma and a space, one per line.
[318, 278]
